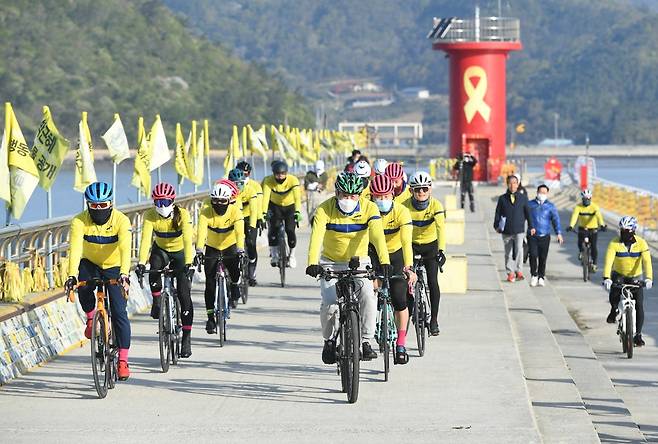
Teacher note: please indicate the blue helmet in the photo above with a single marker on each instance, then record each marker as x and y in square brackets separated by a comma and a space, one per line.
[98, 192]
[236, 175]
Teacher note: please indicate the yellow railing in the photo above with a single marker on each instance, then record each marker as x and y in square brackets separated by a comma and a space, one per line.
[624, 200]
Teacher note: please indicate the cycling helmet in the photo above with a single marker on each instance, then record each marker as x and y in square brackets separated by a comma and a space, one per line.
[381, 185]
[380, 166]
[279, 166]
[628, 223]
[163, 190]
[362, 169]
[98, 192]
[349, 183]
[586, 194]
[236, 175]
[420, 179]
[394, 171]
[244, 166]
[222, 190]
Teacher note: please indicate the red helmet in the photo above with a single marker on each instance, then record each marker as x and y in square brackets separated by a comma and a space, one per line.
[164, 190]
[234, 188]
[381, 185]
[394, 171]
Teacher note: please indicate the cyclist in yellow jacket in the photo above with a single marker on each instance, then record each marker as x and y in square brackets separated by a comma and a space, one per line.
[249, 200]
[171, 226]
[627, 259]
[282, 203]
[588, 217]
[343, 226]
[99, 247]
[220, 231]
[429, 241]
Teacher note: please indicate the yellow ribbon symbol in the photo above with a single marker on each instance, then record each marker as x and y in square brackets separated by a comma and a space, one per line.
[476, 103]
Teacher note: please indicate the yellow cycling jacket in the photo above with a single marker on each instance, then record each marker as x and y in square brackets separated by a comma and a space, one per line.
[429, 224]
[345, 236]
[628, 262]
[255, 186]
[106, 245]
[167, 237]
[248, 198]
[398, 231]
[220, 232]
[586, 216]
[282, 194]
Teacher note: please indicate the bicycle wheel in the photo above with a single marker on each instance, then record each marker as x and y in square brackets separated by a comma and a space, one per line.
[244, 280]
[112, 360]
[385, 345]
[628, 337]
[221, 312]
[419, 318]
[353, 356]
[283, 259]
[99, 354]
[164, 331]
[176, 333]
[585, 262]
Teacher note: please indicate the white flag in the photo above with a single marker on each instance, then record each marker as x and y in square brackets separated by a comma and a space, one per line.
[116, 141]
[85, 173]
[159, 149]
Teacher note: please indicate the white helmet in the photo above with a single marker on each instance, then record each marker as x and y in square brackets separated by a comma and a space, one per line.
[221, 191]
[628, 223]
[420, 179]
[362, 169]
[586, 194]
[380, 165]
[319, 167]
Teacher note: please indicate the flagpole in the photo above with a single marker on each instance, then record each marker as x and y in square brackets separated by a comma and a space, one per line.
[114, 182]
[49, 257]
[159, 175]
[208, 168]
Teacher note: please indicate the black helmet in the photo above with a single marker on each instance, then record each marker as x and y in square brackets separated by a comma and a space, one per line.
[279, 167]
[244, 166]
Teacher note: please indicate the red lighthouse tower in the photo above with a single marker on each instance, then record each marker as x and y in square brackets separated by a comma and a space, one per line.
[478, 50]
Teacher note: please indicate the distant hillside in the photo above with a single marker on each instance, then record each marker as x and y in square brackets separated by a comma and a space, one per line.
[591, 61]
[132, 57]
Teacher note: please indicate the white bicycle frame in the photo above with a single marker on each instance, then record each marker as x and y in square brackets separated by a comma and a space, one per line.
[625, 302]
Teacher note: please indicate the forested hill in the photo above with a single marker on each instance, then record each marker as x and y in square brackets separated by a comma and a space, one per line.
[132, 57]
[591, 61]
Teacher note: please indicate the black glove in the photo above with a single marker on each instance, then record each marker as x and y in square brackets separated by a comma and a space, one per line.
[189, 271]
[441, 258]
[70, 284]
[140, 270]
[124, 280]
[198, 259]
[387, 270]
[260, 225]
[569, 228]
[313, 270]
[603, 227]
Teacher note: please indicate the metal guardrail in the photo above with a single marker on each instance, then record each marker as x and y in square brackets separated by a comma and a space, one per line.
[484, 29]
[23, 244]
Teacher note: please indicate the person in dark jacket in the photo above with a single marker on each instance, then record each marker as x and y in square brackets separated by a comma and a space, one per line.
[512, 213]
[544, 216]
[464, 166]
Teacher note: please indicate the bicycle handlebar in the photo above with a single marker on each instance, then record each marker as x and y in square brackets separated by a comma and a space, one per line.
[328, 274]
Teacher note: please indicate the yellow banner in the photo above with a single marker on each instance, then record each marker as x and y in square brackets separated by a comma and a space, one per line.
[181, 160]
[142, 175]
[195, 157]
[49, 150]
[257, 141]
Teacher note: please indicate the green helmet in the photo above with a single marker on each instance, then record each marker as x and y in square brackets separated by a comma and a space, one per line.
[349, 183]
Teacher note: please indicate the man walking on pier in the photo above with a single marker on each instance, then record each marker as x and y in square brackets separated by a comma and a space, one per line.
[512, 213]
[544, 216]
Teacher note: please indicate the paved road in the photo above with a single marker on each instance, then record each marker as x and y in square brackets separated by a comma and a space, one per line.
[496, 373]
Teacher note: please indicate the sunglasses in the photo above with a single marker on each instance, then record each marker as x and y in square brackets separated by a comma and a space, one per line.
[220, 201]
[100, 205]
[420, 189]
[163, 202]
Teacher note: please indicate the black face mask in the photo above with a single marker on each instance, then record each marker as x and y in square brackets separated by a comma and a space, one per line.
[586, 202]
[627, 237]
[220, 209]
[280, 180]
[418, 205]
[100, 217]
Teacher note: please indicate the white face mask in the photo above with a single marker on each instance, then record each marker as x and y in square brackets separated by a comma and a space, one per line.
[542, 197]
[347, 206]
[384, 205]
[165, 211]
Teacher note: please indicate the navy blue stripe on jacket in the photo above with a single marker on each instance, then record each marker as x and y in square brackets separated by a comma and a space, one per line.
[168, 234]
[101, 239]
[221, 230]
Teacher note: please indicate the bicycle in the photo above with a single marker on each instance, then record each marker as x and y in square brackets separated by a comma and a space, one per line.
[421, 315]
[169, 321]
[104, 347]
[312, 199]
[222, 309]
[282, 246]
[386, 332]
[586, 255]
[626, 320]
[244, 278]
[348, 334]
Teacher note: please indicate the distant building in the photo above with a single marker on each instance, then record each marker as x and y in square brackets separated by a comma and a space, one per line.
[354, 86]
[389, 133]
[556, 142]
[415, 92]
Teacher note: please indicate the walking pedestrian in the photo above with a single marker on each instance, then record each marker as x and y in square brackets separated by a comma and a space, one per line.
[512, 213]
[544, 216]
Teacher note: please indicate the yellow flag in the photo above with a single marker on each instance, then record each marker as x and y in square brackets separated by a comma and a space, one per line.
[361, 138]
[85, 173]
[257, 141]
[49, 150]
[142, 176]
[5, 189]
[181, 161]
[23, 173]
[286, 150]
[233, 152]
[195, 157]
[198, 159]
[159, 148]
[116, 141]
[206, 139]
[245, 145]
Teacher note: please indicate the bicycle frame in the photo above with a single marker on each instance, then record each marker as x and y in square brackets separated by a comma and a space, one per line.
[626, 302]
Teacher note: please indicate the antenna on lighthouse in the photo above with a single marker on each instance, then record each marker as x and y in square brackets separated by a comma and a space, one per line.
[477, 23]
